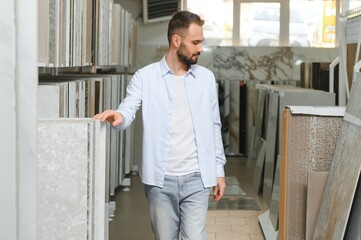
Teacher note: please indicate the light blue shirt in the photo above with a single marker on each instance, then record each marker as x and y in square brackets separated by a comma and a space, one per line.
[152, 88]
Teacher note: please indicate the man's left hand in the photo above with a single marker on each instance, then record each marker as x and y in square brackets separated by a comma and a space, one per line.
[218, 190]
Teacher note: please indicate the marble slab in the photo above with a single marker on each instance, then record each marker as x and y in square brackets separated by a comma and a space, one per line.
[271, 145]
[266, 225]
[344, 173]
[258, 170]
[43, 33]
[8, 126]
[71, 179]
[52, 100]
[251, 113]
[274, 204]
[261, 96]
[76, 97]
[265, 63]
[353, 230]
[18, 73]
[25, 81]
[234, 118]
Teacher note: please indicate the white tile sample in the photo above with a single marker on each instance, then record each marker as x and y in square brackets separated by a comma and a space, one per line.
[71, 179]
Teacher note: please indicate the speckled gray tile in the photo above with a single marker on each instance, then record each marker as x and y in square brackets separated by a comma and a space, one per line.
[309, 145]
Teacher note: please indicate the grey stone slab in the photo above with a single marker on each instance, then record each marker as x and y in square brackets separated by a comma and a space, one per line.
[106, 104]
[353, 230]
[115, 145]
[43, 33]
[261, 95]
[234, 116]
[274, 205]
[267, 228]
[344, 173]
[258, 170]
[52, 100]
[271, 145]
[52, 32]
[251, 112]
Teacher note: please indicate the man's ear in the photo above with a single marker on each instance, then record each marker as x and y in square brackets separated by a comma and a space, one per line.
[176, 40]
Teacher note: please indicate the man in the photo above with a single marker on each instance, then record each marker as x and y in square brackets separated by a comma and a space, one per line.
[182, 146]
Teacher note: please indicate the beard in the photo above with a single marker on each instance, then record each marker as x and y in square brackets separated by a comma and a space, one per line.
[181, 53]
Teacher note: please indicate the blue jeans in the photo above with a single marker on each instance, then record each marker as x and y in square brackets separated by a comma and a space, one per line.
[179, 207]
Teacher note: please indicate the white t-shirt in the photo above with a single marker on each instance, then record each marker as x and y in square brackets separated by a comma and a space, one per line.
[182, 155]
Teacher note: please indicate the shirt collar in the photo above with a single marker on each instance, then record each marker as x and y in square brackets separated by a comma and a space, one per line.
[165, 68]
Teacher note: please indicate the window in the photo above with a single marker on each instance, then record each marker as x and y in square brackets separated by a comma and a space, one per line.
[257, 23]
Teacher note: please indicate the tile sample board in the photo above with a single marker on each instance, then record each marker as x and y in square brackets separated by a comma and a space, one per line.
[344, 173]
[309, 137]
[71, 179]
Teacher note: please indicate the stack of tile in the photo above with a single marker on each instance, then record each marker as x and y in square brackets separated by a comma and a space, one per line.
[85, 33]
[272, 100]
[82, 96]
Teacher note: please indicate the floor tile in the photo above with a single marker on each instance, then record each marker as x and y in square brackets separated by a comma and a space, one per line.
[232, 236]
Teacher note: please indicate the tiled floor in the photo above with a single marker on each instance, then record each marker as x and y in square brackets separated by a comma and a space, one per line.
[233, 225]
[131, 221]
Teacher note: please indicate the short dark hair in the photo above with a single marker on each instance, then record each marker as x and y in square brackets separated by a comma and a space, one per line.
[180, 21]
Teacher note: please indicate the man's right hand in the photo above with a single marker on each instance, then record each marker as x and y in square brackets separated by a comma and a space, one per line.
[115, 118]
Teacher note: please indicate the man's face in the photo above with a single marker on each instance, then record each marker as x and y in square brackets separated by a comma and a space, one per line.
[191, 45]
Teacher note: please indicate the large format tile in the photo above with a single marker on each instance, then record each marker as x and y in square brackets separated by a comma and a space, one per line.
[344, 173]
